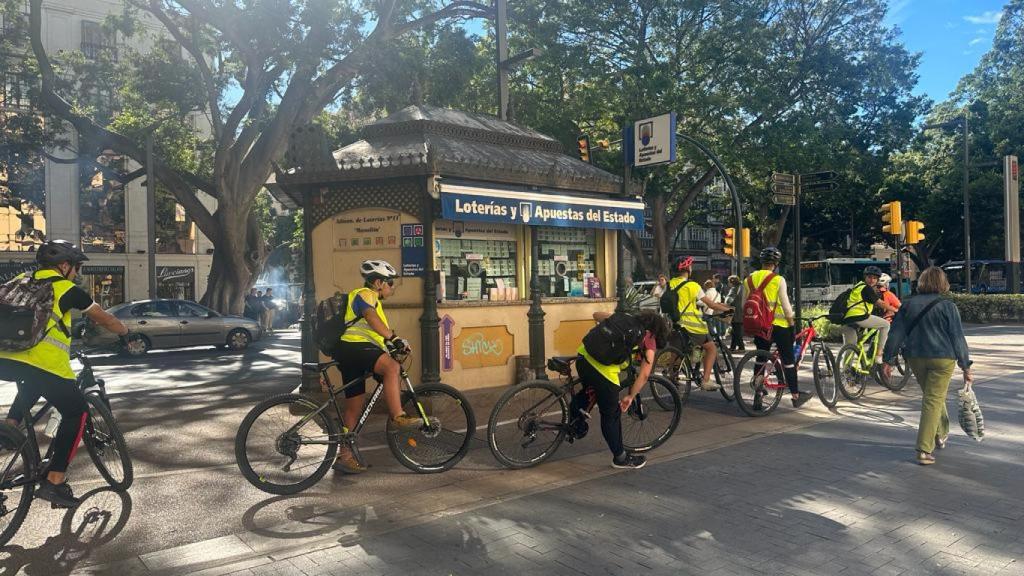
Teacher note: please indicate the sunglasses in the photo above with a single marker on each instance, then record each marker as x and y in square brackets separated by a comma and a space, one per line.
[390, 282]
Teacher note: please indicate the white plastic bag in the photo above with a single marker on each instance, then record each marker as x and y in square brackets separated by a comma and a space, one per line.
[969, 414]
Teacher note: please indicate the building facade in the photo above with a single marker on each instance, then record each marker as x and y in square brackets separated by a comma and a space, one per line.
[81, 199]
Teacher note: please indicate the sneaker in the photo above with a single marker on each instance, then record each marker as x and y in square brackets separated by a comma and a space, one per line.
[58, 495]
[633, 461]
[925, 459]
[709, 386]
[405, 422]
[802, 398]
[347, 463]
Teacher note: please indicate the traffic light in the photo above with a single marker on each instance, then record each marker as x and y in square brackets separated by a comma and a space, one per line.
[729, 241]
[892, 218]
[604, 144]
[745, 243]
[583, 143]
[914, 234]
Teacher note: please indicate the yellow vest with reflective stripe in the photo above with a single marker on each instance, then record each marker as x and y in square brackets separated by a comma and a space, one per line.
[53, 352]
[691, 318]
[855, 304]
[361, 331]
[771, 294]
[611, 372]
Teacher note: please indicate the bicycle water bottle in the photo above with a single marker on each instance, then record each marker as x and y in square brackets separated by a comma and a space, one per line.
[796, 351]
[52, 424]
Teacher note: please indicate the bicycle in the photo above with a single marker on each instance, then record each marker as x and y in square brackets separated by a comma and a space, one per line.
[530, 420]
[269, 462]
[102, 437]
[679, 364]
[857, 362]
[760, 393]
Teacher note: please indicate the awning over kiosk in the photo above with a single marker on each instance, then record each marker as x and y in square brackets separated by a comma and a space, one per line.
[470, 202]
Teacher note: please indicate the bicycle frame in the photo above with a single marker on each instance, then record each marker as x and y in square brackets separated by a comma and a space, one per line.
[808, 340]
[866, 355]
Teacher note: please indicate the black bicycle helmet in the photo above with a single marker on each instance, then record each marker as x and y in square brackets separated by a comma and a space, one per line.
[54, 252]
[771, 254]
[873, 271]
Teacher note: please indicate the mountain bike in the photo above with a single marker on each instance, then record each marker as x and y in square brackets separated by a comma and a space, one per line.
[760, 382]
[530, 420]
[857, 363]
[286, 443]
[22, 466]
[681, 362]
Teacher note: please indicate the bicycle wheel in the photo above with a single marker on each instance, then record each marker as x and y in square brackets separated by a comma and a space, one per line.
[646, 425]
[673, 364]
[723, 367]
[852, 376]
[757, 391]
[900, 375]
[284, 445]
[107, 448]
[18, 469]
[824, 369]
[441, 444]
[527, 424]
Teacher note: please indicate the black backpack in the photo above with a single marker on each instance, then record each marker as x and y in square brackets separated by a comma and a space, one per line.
[837, 311]
[669, 302]
[331, 325]
[26, 309]
[613, 339]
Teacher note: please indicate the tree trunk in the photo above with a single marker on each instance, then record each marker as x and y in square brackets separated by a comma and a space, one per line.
[774, 235]
[238, 256]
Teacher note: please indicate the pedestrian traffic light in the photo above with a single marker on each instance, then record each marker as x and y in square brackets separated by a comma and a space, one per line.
[745, 243]
[583, 142]
[729, 241]
[892, 218]
[914, 234]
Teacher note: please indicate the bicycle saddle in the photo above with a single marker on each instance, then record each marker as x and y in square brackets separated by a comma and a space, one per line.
[561, 364]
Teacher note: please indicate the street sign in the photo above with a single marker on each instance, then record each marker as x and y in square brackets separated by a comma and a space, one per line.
[813, 177]
[780, 188]
[784, 199]
[783, 178]
[818, 187]
[654, 140]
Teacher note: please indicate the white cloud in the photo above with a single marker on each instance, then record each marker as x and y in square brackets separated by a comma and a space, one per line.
[975, 41]
[987, 17]
[897, 12]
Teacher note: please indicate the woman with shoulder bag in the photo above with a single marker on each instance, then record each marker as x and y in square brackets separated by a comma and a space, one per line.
[928, 329]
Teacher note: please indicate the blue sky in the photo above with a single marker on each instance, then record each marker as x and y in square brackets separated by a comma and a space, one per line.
[952, 36]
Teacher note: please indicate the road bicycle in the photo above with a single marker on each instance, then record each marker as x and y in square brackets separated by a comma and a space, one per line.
[682, 362]
[530, 420]
[760, 379]
[287, 443]
[22, 467]
[857, 364]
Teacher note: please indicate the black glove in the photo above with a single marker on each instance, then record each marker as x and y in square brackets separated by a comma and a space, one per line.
[400, 345]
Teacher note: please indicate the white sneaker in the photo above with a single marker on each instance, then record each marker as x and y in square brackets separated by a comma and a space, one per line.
[709, 386]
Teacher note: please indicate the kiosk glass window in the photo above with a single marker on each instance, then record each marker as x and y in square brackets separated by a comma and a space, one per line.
[568, 262]
[478, 261]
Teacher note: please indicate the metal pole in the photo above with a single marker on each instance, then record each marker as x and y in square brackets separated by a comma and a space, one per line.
[151, 215]
[620, 271]
[431, 341]
[967, 203]
[796, 253]
[310, 380]
[535, 315]
[501, 43]
[898, 273]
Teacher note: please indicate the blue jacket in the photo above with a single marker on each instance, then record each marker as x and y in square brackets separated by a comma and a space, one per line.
[937, 335]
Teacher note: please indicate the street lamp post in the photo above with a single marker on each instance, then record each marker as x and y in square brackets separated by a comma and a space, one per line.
[965, 122]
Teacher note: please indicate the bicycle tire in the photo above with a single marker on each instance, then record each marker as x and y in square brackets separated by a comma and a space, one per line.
[646, 425]
[672, 364]
[746, 384]
[304, 405]
[442, 444]
[102, 435]
[824, 370]
[723, 366]
[900, 375]
[524, 425]
[13, 441]
[851, 382]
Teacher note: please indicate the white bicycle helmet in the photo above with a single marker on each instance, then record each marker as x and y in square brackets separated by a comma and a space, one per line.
[884, 279]
[374, 269]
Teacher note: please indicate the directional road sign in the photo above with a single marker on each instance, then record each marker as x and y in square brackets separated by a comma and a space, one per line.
[783, 178]
[814, 177]
[780, 188]
[818, 187]
[784, 199]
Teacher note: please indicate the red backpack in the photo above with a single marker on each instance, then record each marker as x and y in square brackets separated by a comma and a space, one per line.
[758, 316]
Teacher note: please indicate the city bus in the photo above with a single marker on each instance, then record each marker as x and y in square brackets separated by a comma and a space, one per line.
[987, 276]
[823, 281]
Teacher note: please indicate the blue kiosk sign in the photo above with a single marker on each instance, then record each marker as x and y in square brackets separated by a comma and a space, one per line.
[480, 204]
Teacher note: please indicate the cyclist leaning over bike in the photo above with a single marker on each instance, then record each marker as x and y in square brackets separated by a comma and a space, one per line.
[604, 380]
[864, 299]
[364, 348]
[783, 332]
[691, 315]
[886, 295]
[45, 369]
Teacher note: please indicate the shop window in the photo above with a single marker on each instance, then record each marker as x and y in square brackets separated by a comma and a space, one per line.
[102, 205]
[175, 231]
[105, 284]
[568, 262]
[477, 262]
[22, 205]
[177, 282]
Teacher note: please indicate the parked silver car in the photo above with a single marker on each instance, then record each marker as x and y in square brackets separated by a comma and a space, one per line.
[176, 323]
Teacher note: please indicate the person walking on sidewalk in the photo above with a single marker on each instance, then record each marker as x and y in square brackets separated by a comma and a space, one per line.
[269, 307]
[775, 292]
[928, 330]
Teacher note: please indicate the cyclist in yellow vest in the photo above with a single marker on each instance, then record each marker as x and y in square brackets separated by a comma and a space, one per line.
[44, 370]
[691, 316]
[860, 304]
[364, 348]
[777, 296]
